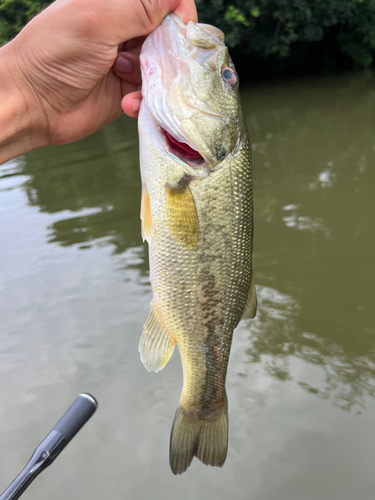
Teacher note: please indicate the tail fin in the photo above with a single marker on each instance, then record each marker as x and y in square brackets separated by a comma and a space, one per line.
[205, 437]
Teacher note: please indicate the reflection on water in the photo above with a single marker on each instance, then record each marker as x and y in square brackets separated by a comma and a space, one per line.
[93, 186]
[75, 294]
[301, 222]
[315, 181]
[274, 337]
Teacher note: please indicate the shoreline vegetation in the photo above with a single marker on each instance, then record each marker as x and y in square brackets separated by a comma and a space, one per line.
[266, 36]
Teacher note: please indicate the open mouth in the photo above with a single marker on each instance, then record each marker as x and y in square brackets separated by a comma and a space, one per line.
[182, 150]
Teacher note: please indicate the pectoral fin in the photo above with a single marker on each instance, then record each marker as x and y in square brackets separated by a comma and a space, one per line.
[251, 302]
[146, 216]
[182, 214]
[156, 346]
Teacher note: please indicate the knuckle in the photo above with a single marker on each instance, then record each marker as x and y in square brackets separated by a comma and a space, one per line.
[152, 10]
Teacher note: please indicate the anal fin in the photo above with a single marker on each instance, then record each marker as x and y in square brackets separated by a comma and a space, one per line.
[156, 346]
[251, 302]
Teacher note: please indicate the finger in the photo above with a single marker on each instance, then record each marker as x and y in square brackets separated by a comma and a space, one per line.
[127, 67]
[128, 87]
[187, 11]
[131, 104]
[115, 22]
[134, 45]
[120, 47]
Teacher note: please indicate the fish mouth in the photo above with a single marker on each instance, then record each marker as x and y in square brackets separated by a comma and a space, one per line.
[181, 148]
[183, 152]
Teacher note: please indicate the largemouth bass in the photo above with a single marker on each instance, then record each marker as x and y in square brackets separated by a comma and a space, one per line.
[197, 216]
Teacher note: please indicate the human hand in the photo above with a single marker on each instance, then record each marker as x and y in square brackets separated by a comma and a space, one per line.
[61, 64]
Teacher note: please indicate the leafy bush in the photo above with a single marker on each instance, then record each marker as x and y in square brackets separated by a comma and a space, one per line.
[285, 30]
[14, 14]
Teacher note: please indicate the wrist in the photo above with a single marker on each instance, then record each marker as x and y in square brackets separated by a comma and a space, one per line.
[22, 122]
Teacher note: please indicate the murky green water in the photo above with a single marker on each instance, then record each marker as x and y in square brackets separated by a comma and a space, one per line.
[75, 293]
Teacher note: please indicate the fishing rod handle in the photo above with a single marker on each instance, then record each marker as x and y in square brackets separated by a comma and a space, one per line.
[52, 445]
[76, 416]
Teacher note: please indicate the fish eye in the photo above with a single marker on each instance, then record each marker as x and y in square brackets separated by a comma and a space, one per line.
[229, 76]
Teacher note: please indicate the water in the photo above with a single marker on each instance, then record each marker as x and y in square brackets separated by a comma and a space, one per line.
[75, 293]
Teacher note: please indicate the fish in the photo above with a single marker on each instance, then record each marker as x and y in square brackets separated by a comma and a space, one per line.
[197, 217]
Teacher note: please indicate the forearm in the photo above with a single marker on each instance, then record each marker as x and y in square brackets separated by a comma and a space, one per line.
[20, 124]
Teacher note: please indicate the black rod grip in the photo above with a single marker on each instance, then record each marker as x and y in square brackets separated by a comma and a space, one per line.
[76, 416]
[52, 445]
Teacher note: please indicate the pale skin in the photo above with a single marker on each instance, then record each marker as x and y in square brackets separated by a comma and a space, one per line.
[74, 68]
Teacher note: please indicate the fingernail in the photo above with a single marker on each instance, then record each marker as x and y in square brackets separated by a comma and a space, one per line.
[123, 65]
[136, 105]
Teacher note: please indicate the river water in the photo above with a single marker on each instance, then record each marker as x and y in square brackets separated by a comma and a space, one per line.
[301, 381]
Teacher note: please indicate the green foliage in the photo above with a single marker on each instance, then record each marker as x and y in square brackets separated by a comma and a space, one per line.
[288, 31]
[279, 32]
[14, 14]
[235, 14]
[357, 38]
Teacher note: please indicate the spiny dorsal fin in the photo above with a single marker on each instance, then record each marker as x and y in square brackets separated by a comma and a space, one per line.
[146, 216]
[156, 346]
[251, 302]
[182, 214]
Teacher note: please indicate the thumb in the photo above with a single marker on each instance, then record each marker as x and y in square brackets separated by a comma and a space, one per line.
[116, 21]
